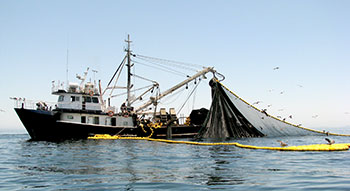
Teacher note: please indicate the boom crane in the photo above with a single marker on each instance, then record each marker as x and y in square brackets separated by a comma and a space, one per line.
[169, 91]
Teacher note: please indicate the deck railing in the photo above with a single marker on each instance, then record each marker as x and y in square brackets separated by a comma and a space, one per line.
[33, 104]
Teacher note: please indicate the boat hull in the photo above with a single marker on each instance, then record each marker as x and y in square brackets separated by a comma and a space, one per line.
[47, 126]
[39, 124]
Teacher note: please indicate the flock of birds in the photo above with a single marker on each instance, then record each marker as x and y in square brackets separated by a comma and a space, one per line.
[281, 110]
[283, 144]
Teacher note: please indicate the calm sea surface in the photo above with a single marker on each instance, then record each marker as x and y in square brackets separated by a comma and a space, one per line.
[145, 165]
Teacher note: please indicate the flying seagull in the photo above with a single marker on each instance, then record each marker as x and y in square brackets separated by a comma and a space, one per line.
[257, 102]
[330, 142]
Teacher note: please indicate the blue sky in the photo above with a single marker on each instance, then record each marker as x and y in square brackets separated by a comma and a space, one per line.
[244, 40]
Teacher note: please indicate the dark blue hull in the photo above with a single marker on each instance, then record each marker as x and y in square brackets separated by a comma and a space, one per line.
[46, 126]
[40, 124]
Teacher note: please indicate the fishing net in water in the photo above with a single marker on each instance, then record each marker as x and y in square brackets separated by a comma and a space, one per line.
[230, 116]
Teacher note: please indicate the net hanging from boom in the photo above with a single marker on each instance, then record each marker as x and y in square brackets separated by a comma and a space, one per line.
[231, 116]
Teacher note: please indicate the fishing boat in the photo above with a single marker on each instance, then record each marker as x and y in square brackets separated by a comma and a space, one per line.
[82, 109]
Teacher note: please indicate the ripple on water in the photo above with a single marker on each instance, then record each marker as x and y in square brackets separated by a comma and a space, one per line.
[145, 165]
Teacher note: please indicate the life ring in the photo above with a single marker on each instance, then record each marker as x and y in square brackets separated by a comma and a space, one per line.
[91, 92]
[110, 113]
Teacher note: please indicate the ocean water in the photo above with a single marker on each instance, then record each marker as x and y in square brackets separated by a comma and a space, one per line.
[145, 165]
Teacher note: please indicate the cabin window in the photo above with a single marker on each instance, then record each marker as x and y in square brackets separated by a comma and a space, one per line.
[60, 98]
[87, 99]
[113, 121]
[83, 119]
[74, 98]
[96, 120]
[94, 99]
[70, 117]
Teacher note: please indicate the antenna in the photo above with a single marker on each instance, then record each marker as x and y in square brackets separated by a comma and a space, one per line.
[94, 71]
[67, 60]
[67, 67]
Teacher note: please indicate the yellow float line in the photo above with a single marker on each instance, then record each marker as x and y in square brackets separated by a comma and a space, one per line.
[318, 147]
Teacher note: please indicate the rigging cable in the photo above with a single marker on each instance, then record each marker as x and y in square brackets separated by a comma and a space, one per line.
[194, 98]
[170, 71]
[143, 78]
[187, 98]
[168, 65]
[134, 78]
[115, 83]
[120, 65]
[153, 92]
[178, 93]
[135, 90]
[171, 61]
[119, 69]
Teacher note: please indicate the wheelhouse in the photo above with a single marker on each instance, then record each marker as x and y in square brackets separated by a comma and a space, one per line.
[78, 102]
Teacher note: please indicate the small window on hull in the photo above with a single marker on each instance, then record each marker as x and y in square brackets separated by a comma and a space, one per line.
[74, 98]
[87, 99]
[94, 99]
[60, 98]
[96, 120]
[70, 117]
[83, 119]
[113, 121]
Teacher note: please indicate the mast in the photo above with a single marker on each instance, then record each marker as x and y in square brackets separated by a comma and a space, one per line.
[128, 87]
